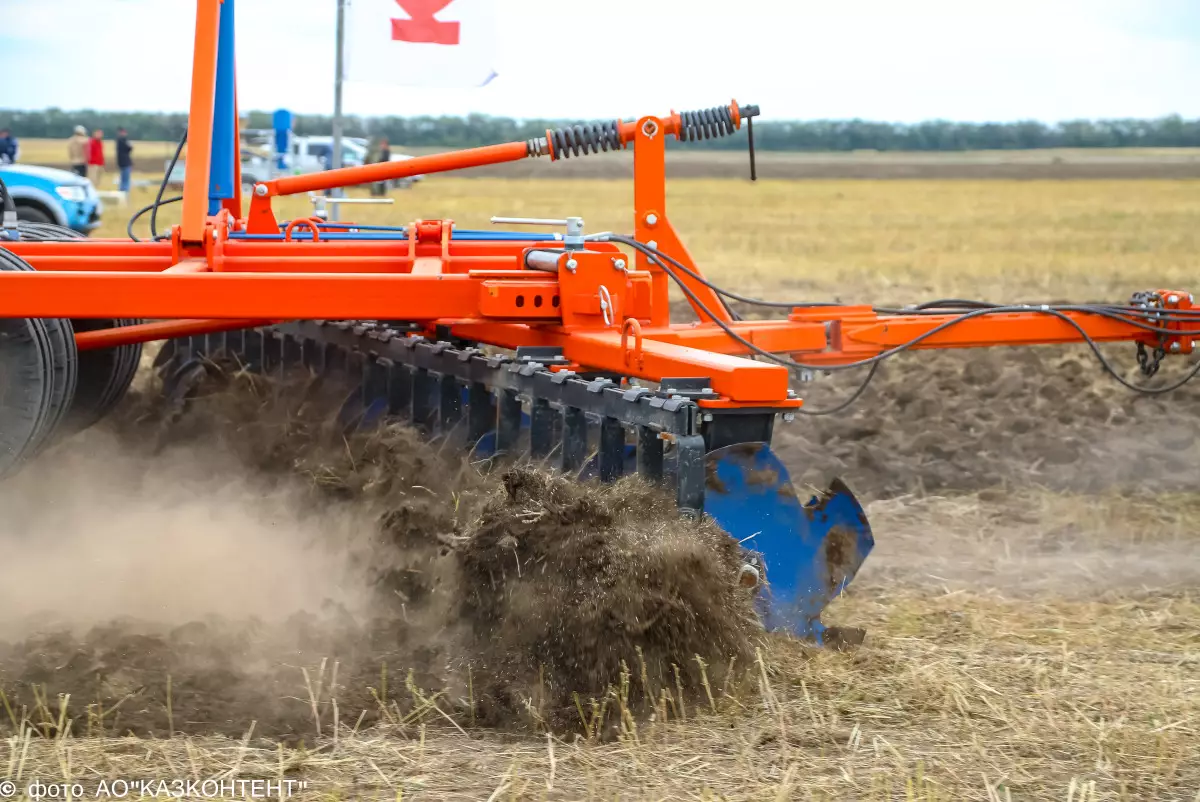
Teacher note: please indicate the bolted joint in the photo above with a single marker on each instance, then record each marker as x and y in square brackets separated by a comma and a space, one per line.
[260, 190]
[651, 219]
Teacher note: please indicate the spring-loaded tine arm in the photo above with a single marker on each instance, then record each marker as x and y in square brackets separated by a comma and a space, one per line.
[559, 143]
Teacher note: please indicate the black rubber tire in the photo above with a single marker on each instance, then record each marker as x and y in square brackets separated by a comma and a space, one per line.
[64, 368]
[131, 361]
[32, 214]
[26, 381]
[46, 232]
[61, 367]
[105, 375]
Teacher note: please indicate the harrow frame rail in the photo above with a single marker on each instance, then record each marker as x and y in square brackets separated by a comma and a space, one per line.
[595, 351]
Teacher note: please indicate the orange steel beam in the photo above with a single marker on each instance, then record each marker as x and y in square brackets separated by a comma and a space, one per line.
[738, 379]
[276, 296]
[99, 264]
[1015, 328]
[162, 330]
[386, 171]
[200, 120]
[776, 336]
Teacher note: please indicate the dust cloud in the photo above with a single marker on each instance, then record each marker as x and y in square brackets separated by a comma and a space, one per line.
[94, 532]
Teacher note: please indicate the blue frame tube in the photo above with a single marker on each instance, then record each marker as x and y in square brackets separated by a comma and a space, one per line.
[224, 142]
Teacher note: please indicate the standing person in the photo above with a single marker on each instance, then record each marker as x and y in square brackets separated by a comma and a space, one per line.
[385, 155]
[96, 157]
[8, 147]
[124, 158]
[78, 148]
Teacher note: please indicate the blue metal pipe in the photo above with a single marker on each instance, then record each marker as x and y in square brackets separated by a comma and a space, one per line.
[394, 236]
[224, 130]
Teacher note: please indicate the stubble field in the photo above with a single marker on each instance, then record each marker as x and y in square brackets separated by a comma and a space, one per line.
[1031, 604]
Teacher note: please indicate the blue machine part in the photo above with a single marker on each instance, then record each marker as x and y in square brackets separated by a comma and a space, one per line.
[807, 553]
[397, 235]
[224, 126]
[282, 123]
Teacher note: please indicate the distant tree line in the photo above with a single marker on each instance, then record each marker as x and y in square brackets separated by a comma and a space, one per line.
[815, 135]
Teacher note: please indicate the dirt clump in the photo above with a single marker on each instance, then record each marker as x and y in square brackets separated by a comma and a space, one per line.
[566, 587]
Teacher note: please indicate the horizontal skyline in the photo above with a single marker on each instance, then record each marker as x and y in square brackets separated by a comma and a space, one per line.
[931, 59]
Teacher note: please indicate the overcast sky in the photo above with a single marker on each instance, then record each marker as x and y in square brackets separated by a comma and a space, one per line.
[897, 60]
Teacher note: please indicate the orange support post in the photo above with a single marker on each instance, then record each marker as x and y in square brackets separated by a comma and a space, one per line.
[651, 224]
[200, 120]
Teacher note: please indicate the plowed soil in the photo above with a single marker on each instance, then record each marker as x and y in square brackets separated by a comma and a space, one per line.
[966, 421]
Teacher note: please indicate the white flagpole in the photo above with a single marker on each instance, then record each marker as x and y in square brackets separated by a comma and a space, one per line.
[337, 102]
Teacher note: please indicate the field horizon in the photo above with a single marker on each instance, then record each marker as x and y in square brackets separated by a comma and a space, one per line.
[693, 161]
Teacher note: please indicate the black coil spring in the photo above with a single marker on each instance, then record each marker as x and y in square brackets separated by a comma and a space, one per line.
[576, 140]
[706, 124]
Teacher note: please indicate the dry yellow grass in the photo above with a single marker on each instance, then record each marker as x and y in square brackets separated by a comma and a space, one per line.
[874, 241]
[54, 151]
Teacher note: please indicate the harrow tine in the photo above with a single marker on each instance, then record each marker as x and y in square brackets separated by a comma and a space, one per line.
[481, 411]
[451, 403]
[508, 421]
[425, 400]
[574, 439]
[544, 428]
[612, 449]
[399, 387]
[649, 454]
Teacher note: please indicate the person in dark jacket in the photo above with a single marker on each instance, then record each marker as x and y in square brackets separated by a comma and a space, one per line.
[8, 147]
[385, 155]
[124, 158]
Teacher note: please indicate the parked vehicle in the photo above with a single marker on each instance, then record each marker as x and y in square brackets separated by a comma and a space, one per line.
[48, 195]
[306, 154]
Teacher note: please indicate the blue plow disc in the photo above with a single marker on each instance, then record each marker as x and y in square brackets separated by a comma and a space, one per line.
[807, 552]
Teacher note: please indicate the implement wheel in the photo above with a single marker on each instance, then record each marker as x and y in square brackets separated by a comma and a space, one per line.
[104, 376]
[45, 346]
[25, 387]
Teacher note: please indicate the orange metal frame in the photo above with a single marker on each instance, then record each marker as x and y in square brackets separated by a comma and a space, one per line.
[205, 278]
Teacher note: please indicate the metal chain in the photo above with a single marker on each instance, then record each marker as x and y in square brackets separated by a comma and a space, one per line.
[1148, 367]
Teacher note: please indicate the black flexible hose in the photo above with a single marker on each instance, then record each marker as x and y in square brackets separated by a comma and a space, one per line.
[158, 198]
[149, 206]
[668, 264]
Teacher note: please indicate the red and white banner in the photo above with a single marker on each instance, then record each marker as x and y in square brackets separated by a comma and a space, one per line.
[425, 43]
